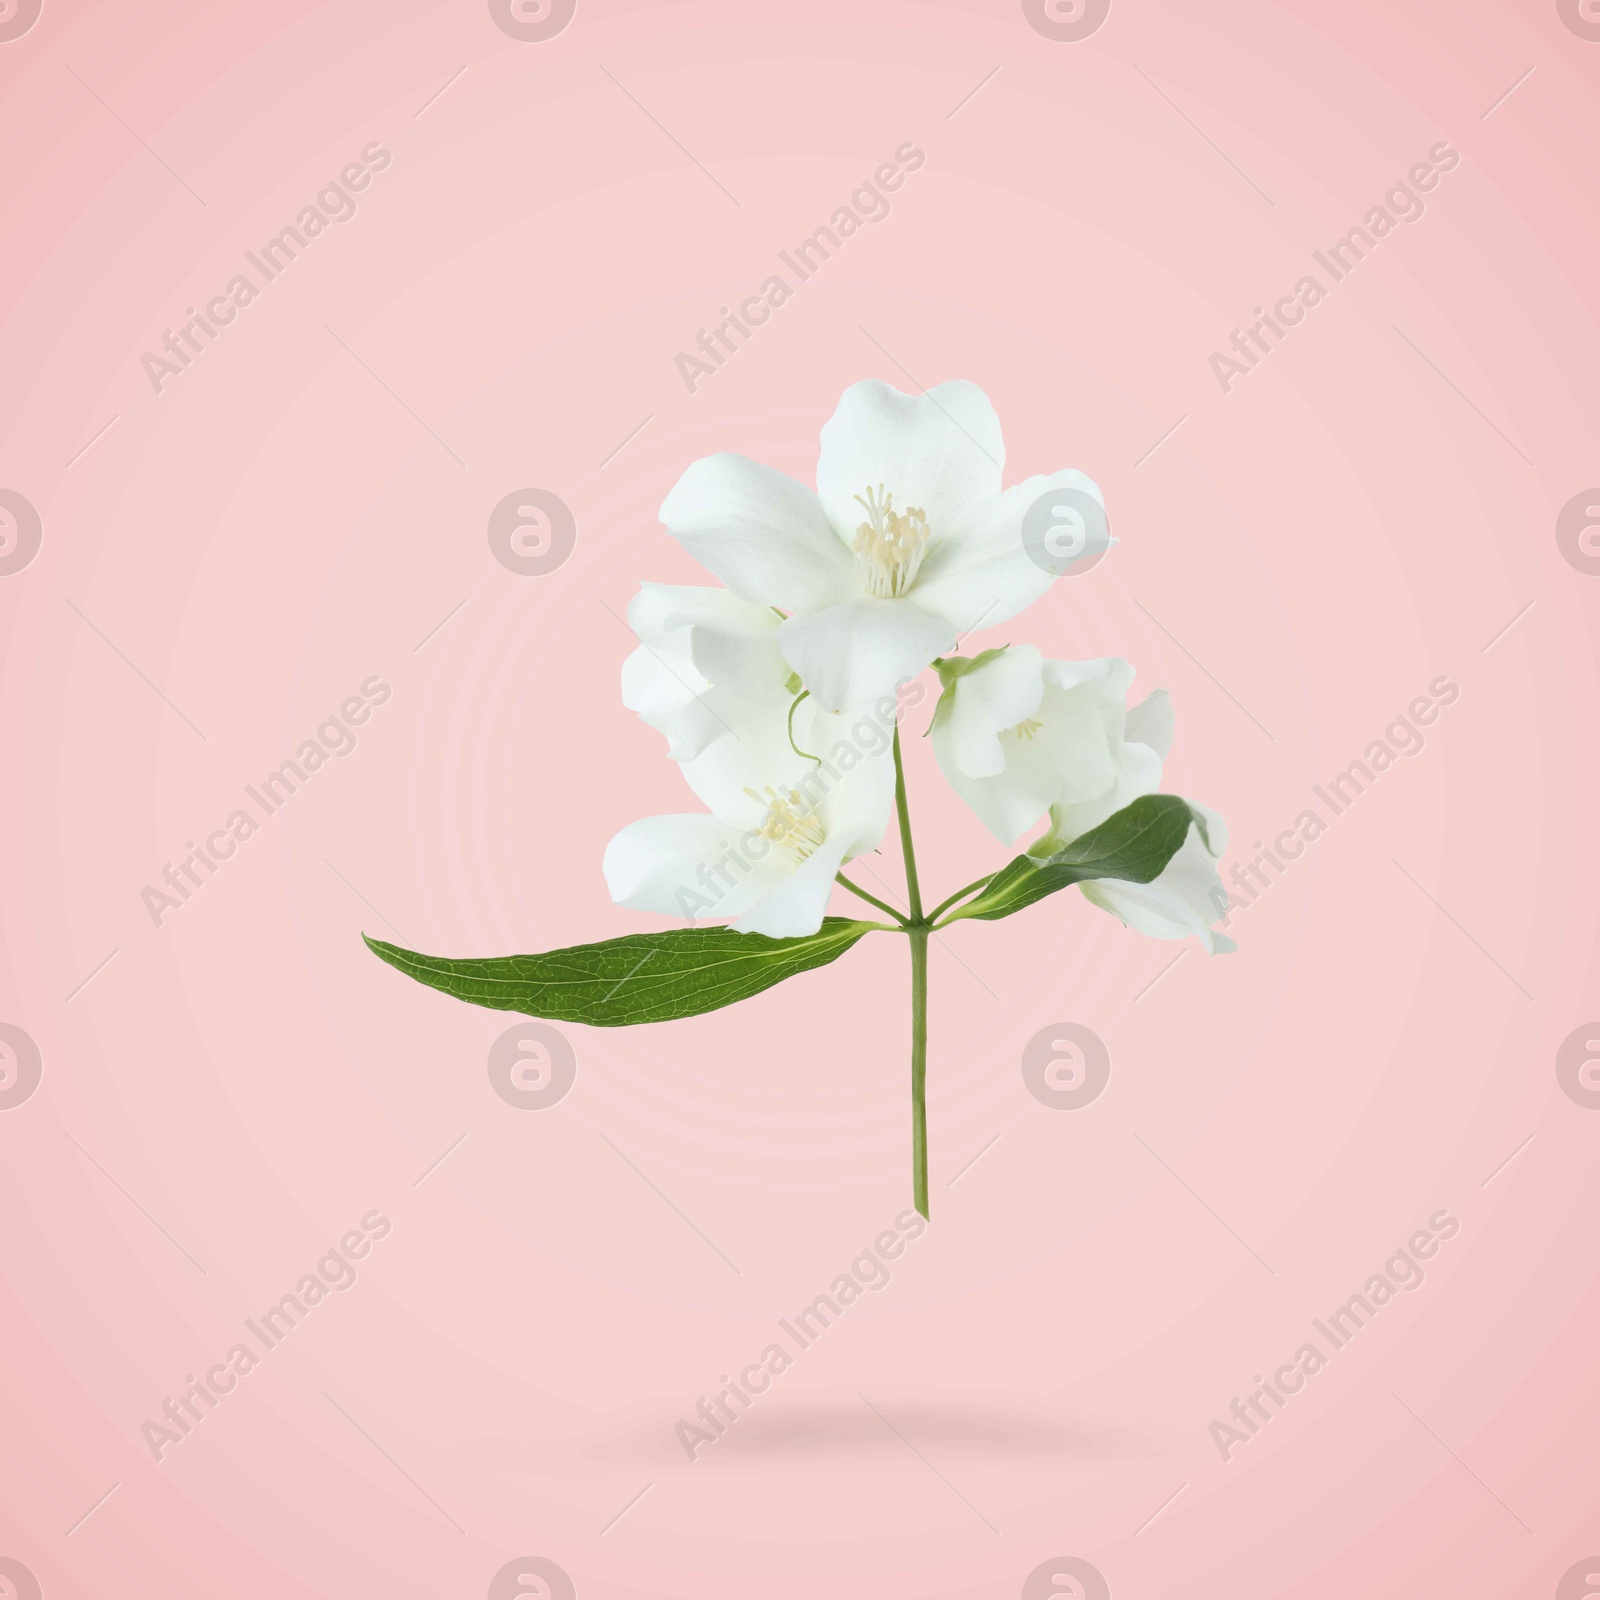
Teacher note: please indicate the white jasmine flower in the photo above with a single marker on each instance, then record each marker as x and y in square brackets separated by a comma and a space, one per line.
[777, 829]
[1019, 736]
[1016, 734]
[907, 542]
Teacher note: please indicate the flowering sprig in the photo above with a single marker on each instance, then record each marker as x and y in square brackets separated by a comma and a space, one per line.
[777, 696]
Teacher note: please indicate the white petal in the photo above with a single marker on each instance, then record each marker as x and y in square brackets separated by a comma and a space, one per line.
[1100, 772]
[1138, 773]
[655, 614]
[863, 649]
[757, 754]
[1185, 900]
[706, 660]
[665, 694]
[1216, 830]
[850, 784]
[1075, 753]
[846, 739]
[1010, 804]
[982, 704]
[940, 451]
[856, 807]
[1008, 779]
[734, 651]
[849, 787]
[684, 866]
[851, 792]
[1072, 758]
[1082, 729]
[979, 572]
[660, 610]
[1108, 677]
[795, 904]
[761, 532]
[724, 865]
[1152, 722]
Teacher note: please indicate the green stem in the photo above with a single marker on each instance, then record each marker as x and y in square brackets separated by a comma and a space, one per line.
[871, 899]
[919, 1068]
[794, 706]
[913, 892]
[960, 894]
[917, 930]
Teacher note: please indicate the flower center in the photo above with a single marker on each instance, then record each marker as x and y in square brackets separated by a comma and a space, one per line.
[889, 545]
[791, 821]
[1027, 728]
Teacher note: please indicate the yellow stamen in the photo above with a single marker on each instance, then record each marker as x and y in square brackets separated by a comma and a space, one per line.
[889, 545]
[791, 821]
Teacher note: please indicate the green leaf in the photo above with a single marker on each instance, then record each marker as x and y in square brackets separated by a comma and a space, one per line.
[1135, 845]
[643, 977]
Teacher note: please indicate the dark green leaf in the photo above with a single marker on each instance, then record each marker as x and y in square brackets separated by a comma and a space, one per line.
[643, 977]
[1135, 845]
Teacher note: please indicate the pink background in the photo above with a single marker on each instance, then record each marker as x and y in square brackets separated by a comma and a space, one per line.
[227, 560]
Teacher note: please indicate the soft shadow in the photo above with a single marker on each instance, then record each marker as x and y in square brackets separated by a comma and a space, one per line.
[813, 1429]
